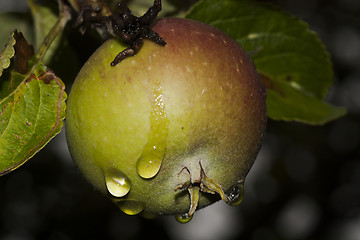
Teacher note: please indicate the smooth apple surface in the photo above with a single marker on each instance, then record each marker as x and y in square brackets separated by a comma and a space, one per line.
[139, 129]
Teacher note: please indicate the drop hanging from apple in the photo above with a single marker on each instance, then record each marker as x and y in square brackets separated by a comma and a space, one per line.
[149, 163]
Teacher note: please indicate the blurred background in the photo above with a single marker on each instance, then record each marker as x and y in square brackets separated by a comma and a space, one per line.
[305, 183]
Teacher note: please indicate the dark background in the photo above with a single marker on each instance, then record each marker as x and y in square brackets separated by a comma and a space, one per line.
[305, 183]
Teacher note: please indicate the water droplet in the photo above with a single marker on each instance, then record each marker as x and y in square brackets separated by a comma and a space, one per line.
[117, 182]
[183, 218]
[149, 163]
[130, 207]
[236, 194]
[148, 215]
[148, 166]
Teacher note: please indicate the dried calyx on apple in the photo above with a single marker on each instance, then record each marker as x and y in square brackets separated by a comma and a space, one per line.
[173, 128]
[124, 25]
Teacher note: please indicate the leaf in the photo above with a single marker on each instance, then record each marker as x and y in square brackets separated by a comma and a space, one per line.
[169, 7]
[21, 52]
[11, 21]
[31, 113]
[298, 105]
[286, 53]
[45, 17]
[7, 53]
[24, 52]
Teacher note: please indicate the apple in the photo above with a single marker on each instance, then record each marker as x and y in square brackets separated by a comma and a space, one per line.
[172, 129]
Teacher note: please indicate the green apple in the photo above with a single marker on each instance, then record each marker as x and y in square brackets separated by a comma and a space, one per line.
[172, 129]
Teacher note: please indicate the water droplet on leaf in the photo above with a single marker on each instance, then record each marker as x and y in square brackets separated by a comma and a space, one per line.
[117, 183]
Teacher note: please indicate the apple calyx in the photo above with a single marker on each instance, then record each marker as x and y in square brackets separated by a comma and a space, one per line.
[206, 185]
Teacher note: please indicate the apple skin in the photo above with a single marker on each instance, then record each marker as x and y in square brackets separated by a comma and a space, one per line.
[212, 111]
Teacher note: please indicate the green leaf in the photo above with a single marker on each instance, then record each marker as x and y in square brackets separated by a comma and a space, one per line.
[45, 16]
[31, 112]
[21, 52]
[291, 59]
[7, 53]
[11, 21]
[169, 7]
[298, 106]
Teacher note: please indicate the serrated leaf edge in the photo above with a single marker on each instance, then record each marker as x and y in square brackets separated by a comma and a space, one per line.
[9, 48]
[52, 133]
